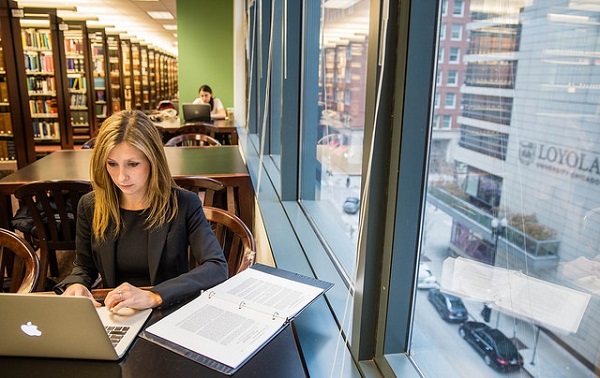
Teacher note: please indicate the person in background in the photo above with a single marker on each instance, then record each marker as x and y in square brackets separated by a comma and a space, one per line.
[135, 228]
[206, 97]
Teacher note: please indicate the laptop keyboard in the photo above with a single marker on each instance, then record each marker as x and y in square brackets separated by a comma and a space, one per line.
[116, 333]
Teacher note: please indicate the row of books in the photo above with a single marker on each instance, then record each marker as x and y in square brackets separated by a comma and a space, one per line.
[37, 107]
[74, 45]
[75, 64]
[39, 63]
[77, 83]
[5, 124]
[36, 39]
[78, 99]
[46, 130]
[7, 150]
[41, 85]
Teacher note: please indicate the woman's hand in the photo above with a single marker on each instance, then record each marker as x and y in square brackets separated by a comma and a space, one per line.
[79, 290]
[127, 295]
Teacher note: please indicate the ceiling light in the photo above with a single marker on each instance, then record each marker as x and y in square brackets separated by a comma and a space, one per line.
[170, 27]
[161, 15]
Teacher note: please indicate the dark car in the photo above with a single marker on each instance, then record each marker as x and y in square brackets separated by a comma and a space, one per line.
[451, 308]
[496, 349]
[351, 205]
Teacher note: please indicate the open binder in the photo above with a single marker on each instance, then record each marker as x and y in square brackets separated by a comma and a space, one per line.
[228, 324]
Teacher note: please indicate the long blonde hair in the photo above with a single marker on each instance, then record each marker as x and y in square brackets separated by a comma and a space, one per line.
[135, 128]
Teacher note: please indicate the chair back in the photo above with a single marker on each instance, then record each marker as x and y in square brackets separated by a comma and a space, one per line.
[212, 192]
[235, 238]
[192, 139]
[52, 206]
[18, 262]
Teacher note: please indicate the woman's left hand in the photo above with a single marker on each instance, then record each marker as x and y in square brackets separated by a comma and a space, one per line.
[127, 295]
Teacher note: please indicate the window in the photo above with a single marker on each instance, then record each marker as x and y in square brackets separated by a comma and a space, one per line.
[456, 33]
[459, 8]
[435, 121]
[436, 102]
[454, 55]
[450, 102]
[439, 76]
[444, 7]
[452, 78]
[442, 31]
[446, 121]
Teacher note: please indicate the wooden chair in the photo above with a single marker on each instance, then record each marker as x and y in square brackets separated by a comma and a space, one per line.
[52, 206]
[18, 262]
[212, 192]
[235, 239]
[192, 139]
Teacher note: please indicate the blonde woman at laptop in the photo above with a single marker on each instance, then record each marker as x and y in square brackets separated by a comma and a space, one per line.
[206, 97]
[136, 226]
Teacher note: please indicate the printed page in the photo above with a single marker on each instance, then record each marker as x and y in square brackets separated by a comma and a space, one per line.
[217, 329]
[267, 293]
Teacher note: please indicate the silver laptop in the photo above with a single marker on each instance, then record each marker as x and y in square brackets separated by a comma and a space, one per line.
[196, 112]
[39, 325]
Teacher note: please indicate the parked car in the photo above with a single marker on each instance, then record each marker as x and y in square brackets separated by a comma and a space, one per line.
[450, 307]
[497, 350]
[426, 279]
[351, 205]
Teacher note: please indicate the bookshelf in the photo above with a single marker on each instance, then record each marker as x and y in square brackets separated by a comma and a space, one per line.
[78, 83]
[127, 79]
[100, 82]
[152, 78]
[115, 68]
[136, 78]
[145, 77]
[16, 143]
[45, 75]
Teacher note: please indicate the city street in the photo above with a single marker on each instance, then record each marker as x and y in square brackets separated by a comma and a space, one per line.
[438, 348]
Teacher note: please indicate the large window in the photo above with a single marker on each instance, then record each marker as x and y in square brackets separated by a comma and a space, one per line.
[516, 214]
[333, 125]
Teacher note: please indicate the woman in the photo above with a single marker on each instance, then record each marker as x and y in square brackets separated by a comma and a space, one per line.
[135, 227]
[206, 97]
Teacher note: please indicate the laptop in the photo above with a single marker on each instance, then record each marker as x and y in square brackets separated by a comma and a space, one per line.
[41, 325]
[196, 112]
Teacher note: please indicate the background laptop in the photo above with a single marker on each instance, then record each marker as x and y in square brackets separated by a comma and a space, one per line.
[196, 112]
[36, 325]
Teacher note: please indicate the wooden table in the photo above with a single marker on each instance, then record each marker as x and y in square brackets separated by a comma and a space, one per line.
[222, 130]
[221, 163]
[280, 357]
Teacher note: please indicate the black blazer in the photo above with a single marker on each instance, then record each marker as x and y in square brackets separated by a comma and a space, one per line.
[167, 252]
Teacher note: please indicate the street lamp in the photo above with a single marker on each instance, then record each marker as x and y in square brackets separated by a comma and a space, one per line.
[498, 228]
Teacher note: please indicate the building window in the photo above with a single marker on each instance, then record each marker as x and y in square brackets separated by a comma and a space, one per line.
[450, 102]
[442, 31]
[459, 8]
[444, 7]
[438, 77]
[454, 56]
[446, 121]
[435, 121]
[452, 78]
[436, 103]
[456, 33]
[441, 55]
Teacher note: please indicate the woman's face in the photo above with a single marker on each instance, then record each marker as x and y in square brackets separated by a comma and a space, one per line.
[129, 170]
[205, 96]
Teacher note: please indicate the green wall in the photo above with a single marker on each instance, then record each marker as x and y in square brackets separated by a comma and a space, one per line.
[205, 38]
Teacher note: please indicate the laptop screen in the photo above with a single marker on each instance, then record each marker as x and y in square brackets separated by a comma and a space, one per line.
[196, 112]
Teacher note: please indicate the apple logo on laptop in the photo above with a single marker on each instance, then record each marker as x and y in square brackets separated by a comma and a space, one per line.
[31, 329]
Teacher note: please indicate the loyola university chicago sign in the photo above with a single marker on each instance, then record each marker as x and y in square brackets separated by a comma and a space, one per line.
[561, 160]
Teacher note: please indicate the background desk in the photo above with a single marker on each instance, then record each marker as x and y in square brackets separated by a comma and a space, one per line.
[221, 163]
[281, 357]
[225, 131]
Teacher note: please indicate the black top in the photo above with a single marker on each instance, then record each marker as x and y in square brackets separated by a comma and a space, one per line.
[132, 249]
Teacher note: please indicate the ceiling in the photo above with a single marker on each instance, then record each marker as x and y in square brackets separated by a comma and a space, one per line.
[128, 17]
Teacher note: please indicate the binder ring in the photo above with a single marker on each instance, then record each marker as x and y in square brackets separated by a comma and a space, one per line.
[242, 303]
[210, 294]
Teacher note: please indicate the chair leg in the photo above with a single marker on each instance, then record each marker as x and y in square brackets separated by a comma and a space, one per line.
[41, 285]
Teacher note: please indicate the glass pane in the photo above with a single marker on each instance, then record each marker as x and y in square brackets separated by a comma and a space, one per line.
[511, 251]
[331, 190]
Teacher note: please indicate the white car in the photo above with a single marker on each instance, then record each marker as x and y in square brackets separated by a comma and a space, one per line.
[426, 279]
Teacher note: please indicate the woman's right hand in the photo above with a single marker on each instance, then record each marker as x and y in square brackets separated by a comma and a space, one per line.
[79, 290]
